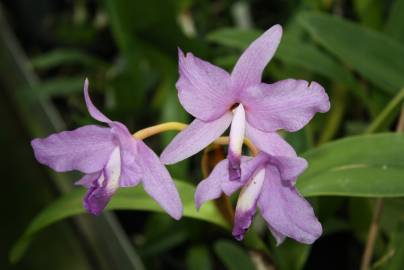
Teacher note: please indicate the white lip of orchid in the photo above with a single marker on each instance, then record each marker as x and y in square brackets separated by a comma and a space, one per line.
[237, 130]
[250, 192]
[112, 171]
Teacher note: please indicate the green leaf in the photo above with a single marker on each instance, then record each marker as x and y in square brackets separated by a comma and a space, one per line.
[125, 199]
[361, 166]
[375, 56]
[395, 23]
[233, 37]
[291, 255]
[56, 87]
[61, 57]
[291, 51]
[394, 258]
[370, 12]
[232, 255]
[384, 119]
[198, 258]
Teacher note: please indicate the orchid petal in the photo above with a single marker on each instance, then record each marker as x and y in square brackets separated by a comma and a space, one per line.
[88, 179]
[157, 182]
[249, 67]
[210, 188]
[218, 181]
[279, 238]
[288, 104]
[286, 211]
[203, 89]
[237, 133]
[86, 149]
[270, 143]
[289, 167]
[131, 171]
[96, 198]
[105, 186]
[247, 204]
[94, 112]
[250, 165]
[194, 138]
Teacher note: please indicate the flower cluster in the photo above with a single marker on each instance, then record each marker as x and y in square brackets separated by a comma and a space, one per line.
[111, 157]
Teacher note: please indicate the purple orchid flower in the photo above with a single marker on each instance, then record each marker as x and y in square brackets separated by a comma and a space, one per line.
[267, 181]
[110, 158]
[218, 99]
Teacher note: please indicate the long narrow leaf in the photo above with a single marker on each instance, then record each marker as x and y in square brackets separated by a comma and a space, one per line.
[125, 199]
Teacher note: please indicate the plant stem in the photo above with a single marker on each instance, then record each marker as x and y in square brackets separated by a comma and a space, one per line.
[374, 227]
[153, 130]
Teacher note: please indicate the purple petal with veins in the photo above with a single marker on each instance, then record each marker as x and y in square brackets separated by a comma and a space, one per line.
[111, 158]
[288, 104]
[194, 138]
[209, 93]
[203, 89]
[286, 211]
[85, 149]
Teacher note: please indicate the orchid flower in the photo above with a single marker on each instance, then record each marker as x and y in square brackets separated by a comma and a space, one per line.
[267, 182]
[110, 158]
[218, 100]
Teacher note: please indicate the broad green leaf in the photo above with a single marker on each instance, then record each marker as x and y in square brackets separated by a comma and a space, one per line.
[291, 51]
[303, 54]
[232, 255]
[61, 57]
[125, 199]
[395, 23]
[360, 166]
[375, 56]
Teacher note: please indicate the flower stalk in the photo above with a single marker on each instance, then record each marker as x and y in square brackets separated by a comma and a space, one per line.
[153, 130]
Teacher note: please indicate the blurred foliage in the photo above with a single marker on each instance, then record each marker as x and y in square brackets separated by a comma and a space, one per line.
[128, 49]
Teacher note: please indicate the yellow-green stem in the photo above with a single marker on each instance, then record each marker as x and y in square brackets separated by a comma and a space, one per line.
[153, 130]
